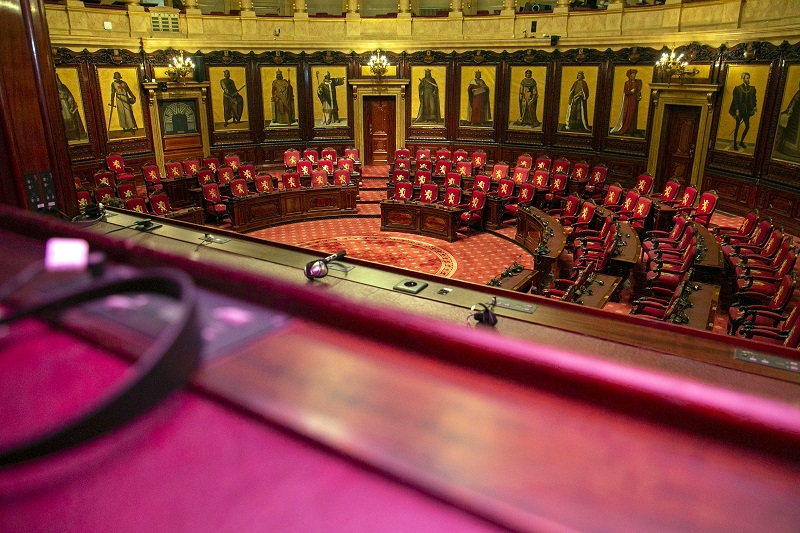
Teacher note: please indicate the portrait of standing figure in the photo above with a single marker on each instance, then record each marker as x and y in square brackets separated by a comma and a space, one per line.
[526, 98]
[429, 108]
[282, 100]
[476, 102]
[787, 137]
[229, 97]
[279, 98]
[71, 111]
[121, 102]
[326, 93]
[741, 113]
[576, 102]
[628, 120]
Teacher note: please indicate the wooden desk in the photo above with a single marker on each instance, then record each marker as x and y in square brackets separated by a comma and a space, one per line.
[663, 215]
[543, 237]
[194, 215]
[630, 251]
[704, 306]
[259, 211]
[710, 265]
[179, 191]
[432, 220]
[495, 209]
[600, 293]
[519, 282]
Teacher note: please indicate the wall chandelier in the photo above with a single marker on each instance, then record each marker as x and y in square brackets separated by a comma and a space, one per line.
[378, 64]
[180, 67]
[672, 66]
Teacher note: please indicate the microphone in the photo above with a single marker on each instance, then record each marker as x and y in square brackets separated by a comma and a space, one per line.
[319, 267]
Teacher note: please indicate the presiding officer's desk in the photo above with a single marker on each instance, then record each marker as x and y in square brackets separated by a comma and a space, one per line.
[359, 407]
[432, 220]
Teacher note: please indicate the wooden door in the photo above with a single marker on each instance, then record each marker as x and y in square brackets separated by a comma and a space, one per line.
[676, 159]
[379, 129]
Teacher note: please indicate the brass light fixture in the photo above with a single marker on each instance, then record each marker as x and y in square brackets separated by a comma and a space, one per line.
[180, 67]
[672, 66]
[378, 64]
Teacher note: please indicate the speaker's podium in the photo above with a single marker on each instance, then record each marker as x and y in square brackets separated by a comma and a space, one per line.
[331, 405]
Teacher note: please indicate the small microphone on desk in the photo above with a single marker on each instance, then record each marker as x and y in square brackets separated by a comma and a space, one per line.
[319, 268]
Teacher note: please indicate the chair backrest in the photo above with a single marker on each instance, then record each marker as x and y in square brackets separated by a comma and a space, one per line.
[319, 178]
[159, 203]
[115, 163]
[452, 196]
[689, 194]
[136, 204]
[599, 173]
[521, 174]
[630, 201]
[352, 154]
[233, 161]
[749, 223]
[401, 175]
[205, 176]
[341, 176]
[559, 183]
[329, 154]
[613, 195]
[424, 164]
[478, 160]
[443, 166]
[402, 153]
[706, 207]
[543, 163]
[526, 193]
[678, 227]
[773, 244]
[311, 154]
[402, 163]
[460, 155]
[422, 177]
[500, 171]
[126, 190]
[224, 175]
[423, 154]
[586, 214]
[541, 179]
[263, 183]
[239, 188]
[174, 169]
[452, 179]
[429, 193]
[84, 199]
[482, 183]
[290, 180]
[580, 171]
[304, 167]
[247, 172]
[442, 153]
[326, 165]
[402, 191]
[103, 194]
[211, 163]
[783, 295]
[344, 164]
[151, 174]
[191, 166]
[571, 206]
[644, 183]
[104, 178]
[670, 192]
[525, 161]
[642, 210]
[291, 157]
[464, 168]
[211, 193]
[561, 166]
[505, 188]
[478, 201]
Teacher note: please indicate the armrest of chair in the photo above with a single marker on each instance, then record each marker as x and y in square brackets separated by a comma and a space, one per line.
[766, 332]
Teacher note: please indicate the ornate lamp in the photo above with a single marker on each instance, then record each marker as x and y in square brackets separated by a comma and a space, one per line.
[180, 67]
[672, 66]
[378, 64]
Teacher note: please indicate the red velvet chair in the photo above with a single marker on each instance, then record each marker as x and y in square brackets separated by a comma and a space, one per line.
[247, 172]
[756, 240]
[569, 213]
[290, 159]
[290, 180]
[500, 171]
[596, 186]
[126, 190]
[561, 166]
[479, 161]
[402, 163]
[211, 163]
[541, 182]
[474, 213]
[742, 233]
[401, 174]
[403, 191]
[452, 179]
[524, 198]
[104, 178]
[352, 155]
[329, 154]
[422, 177]
[558, 188]
[482, 183]
[159, 203]
[239, 188]
[739, 313]
[525, 161]
[429, 193]
[174, 169]
[319, 178]
[341, 177]
[116, 165]
[103, 194]
[311, 155]
[152, 178]
[644, 184]
[443, 166]
[613, 198]
[233, 161]
[344, 164]
[460, 155]
[464, 168]
[656, 238]
[442, 153]
[772, 327]
[205, 176]
[136, 204]
[305, 167]
[705, 208]
[191, 167]
[402, 153]
[640, 218]
[670, 192]
[84, 199]
[224, 175]
[213, 202]
[521, 175]
[666, 272]
[580, 172]
[625, 209]
[452, 198]
[543, 163]
[686, 200]
[263, 183]
[326, 165]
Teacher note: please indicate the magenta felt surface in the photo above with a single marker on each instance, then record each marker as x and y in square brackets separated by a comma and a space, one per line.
[190, 465]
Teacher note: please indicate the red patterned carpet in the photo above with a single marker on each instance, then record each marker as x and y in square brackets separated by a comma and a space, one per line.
[477, 258]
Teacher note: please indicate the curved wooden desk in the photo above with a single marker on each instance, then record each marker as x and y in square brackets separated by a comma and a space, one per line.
[433, 220]
[544, 237]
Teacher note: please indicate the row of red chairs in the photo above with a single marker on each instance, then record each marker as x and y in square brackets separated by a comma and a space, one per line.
[294, 160]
